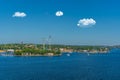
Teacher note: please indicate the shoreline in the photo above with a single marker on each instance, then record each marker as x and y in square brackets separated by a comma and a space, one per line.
[105, 52]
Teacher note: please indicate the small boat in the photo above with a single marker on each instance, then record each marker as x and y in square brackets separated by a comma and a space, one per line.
[88, 54]
[68, 54]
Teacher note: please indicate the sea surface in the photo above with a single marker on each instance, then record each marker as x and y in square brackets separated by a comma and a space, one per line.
[77, 66]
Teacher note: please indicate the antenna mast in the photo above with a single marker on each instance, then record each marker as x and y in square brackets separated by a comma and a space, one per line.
[49, 42]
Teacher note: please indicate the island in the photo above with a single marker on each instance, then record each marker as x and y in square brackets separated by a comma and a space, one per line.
[49, 50]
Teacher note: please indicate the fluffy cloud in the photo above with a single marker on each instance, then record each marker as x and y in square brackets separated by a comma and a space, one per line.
[59, 13]
[19, 14]
[86, 22]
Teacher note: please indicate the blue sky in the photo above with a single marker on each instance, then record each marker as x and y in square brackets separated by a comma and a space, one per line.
[37, 19]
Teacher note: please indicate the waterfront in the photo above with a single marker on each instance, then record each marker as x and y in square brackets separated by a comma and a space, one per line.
[74, 67]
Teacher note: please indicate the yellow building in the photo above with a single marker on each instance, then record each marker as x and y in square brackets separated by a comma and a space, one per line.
[2, 51]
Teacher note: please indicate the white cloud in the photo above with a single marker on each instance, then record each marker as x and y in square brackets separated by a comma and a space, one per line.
[86, 22]
[59, 13]
[19, 14]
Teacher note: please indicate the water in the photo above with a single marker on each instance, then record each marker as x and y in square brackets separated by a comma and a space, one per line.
[74, 67]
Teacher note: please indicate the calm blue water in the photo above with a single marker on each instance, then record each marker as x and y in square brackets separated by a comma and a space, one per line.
[74, 67]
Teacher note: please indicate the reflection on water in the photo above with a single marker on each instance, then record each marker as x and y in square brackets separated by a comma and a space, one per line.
[74, 67]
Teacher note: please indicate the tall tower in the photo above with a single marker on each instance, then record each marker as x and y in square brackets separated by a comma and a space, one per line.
[22, 44]
[44, 41]
[49, 42]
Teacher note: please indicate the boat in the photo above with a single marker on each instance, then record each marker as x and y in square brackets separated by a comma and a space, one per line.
[68, 54]
[88, 54]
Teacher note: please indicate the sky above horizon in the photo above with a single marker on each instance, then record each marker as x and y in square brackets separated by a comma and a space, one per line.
[74, 22]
